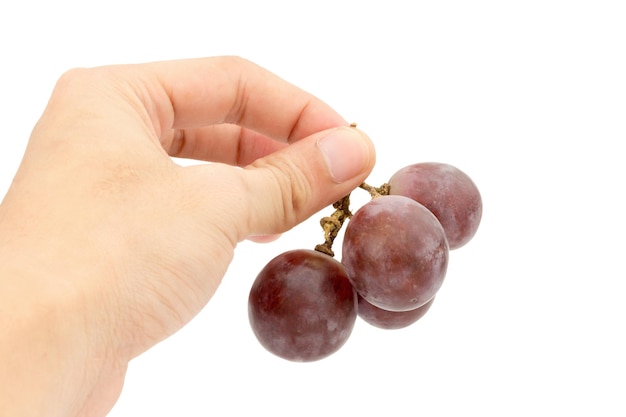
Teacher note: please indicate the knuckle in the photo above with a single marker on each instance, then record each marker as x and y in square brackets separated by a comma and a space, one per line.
[80, 79]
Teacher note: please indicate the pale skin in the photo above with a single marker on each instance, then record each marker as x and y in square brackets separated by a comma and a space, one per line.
[107, 246]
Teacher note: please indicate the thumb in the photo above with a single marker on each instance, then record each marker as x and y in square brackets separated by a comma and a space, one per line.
[288, 186]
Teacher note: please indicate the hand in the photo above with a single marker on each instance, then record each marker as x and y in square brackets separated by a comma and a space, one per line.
[107, 246]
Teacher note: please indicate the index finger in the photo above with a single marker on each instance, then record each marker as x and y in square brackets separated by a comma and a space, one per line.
[186, 94]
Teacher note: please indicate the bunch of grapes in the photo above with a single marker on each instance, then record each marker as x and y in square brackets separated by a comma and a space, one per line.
[304, 303]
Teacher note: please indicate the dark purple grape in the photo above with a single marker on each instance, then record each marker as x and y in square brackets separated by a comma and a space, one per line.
[302, 306]
[386, 319]
[446, 191]
[395, 253]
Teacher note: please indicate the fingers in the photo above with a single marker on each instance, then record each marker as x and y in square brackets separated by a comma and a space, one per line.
[244, 115]
[226, 143]
[278, 191]
[188, 94]
[223, 109]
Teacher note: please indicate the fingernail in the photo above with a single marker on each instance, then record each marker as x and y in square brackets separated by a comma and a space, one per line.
[346, 153]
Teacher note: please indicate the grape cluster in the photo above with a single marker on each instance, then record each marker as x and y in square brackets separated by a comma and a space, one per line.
[304, 303]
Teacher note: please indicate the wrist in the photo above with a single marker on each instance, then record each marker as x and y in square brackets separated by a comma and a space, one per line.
[49, 358]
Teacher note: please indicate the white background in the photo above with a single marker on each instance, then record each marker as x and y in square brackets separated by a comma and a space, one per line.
[528, 98]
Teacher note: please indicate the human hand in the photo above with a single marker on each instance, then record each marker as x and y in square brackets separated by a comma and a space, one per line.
[107, 246]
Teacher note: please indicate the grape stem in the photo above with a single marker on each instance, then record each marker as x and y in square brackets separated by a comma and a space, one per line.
[332, 224]
[376, 192]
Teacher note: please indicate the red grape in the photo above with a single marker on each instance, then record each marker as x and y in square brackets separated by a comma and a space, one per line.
[386, 319]
[302, 306]
[395, 253]
[446, 191]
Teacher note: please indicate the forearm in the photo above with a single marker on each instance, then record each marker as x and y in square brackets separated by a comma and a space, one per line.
[44, 347]
[37, 348]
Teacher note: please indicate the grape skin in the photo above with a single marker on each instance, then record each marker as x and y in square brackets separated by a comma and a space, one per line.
[390, 320]
[302, 306]
[395, 253]
[445, 190]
